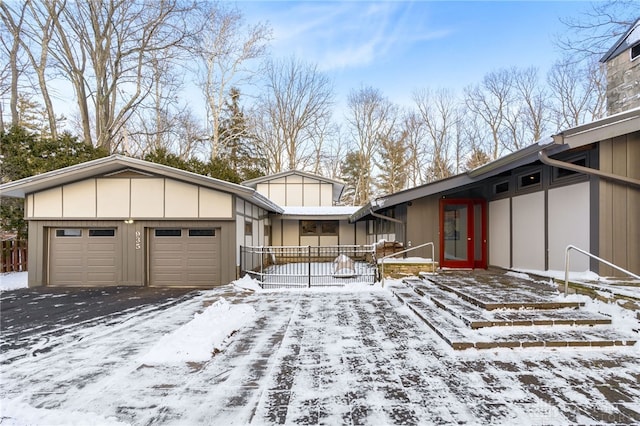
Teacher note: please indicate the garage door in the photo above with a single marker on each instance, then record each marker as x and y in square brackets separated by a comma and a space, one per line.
[184, 257]
[83, 256]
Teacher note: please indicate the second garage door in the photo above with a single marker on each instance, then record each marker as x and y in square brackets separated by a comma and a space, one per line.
[184, 257]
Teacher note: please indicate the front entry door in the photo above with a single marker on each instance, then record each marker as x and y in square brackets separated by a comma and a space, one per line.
[463, 241]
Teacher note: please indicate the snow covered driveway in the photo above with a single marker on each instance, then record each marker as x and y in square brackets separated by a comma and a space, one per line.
[308, 358]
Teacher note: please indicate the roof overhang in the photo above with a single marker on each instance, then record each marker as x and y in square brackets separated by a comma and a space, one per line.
[114, 163]
[318, 213]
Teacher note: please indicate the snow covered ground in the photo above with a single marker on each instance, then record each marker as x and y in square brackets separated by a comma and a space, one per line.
[242, 355]
[13, 281]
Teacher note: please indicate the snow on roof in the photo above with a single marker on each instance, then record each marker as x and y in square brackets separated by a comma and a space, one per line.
[319, 210]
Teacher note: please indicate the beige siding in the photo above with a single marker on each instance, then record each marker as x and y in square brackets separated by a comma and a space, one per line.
[290, 233]
[276, 232]
[347, 232]
[294, 194]
[278, 194]
[569, 223]
[326, 190]
[113, 198]
[500, 233]
[528, 231]
[123, 198]
[79, 199]
[48, 203]
[215, 204]
[147, 198]
[311, 195]
[181, 200]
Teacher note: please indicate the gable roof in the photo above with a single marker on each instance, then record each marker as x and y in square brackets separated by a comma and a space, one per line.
[116, 163]
[606, 128]
[338, 186]
[625, 42]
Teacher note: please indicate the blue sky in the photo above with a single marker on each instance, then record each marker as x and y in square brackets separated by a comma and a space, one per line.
[398, 46]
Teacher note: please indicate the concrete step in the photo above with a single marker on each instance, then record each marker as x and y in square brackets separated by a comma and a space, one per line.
[457, 334]
[475, 317]
[500, 293]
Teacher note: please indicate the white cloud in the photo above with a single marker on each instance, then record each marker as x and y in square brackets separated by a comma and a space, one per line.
[341, 35]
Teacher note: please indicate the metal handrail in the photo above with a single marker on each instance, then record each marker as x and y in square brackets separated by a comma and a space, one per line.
[433, 260]
[593, 256]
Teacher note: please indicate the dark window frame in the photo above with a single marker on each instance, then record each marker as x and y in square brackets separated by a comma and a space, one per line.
[168, 233]
[318, 228]
[634, 52]
[530, 183]
[202, 232]
[500, 191]
[62, 233]
[248, 228]
[102, 233]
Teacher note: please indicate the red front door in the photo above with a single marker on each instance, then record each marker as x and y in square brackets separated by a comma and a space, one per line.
[463, 236]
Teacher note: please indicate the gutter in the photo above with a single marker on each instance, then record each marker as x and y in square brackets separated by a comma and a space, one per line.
[542, 156]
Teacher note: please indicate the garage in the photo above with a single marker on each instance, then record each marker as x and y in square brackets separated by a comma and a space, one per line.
[83, 256]
[184, 257]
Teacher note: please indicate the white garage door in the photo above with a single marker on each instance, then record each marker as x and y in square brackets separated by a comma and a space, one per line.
[83, 257]
[184, 257]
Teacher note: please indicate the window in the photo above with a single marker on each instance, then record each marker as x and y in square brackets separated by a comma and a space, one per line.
[500, 188]
[635, 51]
[530, 179]
[102, 232]
[248, 228]
[559, 173]
[319, 227]
[267, 230]
[202, 232]
[168, 232]
[68, 232]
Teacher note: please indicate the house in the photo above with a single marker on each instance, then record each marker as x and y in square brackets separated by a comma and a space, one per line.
[310, 216]
[123, 221]
[579, 187]
[623, 71]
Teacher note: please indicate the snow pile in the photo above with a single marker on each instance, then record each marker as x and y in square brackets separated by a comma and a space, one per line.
[196, 340]
[16, 413]
[247, 283]
[13, 281]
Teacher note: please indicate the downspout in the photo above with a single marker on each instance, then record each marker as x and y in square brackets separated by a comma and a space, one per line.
[542, 156]
[391, 219]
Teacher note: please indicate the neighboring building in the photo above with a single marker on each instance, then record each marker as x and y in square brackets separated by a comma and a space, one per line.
[581, 187]
[310, 215]
[623, 71]
[122, 221]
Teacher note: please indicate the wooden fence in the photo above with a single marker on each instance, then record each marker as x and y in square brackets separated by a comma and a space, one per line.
[14, 256]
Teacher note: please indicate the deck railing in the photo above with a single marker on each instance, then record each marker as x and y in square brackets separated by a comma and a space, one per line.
[309, 266]
[593, 256]
[13, 255]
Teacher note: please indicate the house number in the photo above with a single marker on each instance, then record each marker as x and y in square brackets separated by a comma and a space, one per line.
[138, 240]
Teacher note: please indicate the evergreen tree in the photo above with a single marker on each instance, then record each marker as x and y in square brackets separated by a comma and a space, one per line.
[355, 177]
[393, 163]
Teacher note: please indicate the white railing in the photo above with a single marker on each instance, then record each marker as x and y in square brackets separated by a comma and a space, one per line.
[406, 251]
[593, 256]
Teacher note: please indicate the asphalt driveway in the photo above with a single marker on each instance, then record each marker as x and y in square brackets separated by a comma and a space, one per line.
[306, 358]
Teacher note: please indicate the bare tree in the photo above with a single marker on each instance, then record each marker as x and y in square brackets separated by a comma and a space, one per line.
[104, 47]
[439, 113]
[224, 47]
[13, 22]
[578, 93]
[532, 95]
[371, 118]
[296, 103]
[416, 161]
[489, 101]
[591, 33]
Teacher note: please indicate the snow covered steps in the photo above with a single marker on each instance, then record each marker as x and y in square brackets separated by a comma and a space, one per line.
[463, 324]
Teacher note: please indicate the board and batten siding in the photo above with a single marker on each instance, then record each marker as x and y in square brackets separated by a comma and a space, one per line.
[499, 240]
[137, 198]
[295, 190]
[619, 208]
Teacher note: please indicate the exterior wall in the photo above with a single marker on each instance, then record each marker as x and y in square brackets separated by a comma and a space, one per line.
[133, 253]
[248, 213]
[528, 244]
[137, 198]
[499, 239]
[623, 81]
[423, 226]
[569, 222]
[296, 190]
[619, 208]
[286, 232]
